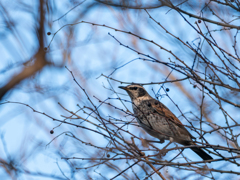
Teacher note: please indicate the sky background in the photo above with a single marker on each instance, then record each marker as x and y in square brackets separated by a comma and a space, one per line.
[89, 51]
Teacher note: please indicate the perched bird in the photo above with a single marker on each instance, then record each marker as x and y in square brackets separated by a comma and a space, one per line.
[155, 118]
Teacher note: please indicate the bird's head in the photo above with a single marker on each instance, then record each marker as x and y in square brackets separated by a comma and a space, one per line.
[135, 91]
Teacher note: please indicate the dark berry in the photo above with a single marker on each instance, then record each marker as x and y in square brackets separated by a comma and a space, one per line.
[199, 21]
[108, 155]
[48, 33]
[51, 132]
[167, 89]
[194, 86]
[45, 49]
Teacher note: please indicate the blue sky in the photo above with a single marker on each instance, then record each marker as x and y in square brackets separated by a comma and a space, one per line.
[89, 51]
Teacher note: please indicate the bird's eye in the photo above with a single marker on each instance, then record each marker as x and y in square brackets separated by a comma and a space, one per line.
[133, 88]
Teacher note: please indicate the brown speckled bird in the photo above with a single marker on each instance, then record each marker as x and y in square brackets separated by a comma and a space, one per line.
[155, 118]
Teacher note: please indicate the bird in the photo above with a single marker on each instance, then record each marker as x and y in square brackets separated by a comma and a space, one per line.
[158, 121]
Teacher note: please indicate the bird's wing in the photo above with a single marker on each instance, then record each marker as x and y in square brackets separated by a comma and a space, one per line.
[161, 109]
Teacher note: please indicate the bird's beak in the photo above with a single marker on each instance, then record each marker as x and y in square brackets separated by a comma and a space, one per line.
[122, 87]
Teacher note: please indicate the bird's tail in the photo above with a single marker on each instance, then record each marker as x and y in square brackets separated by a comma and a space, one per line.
[201, 153]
